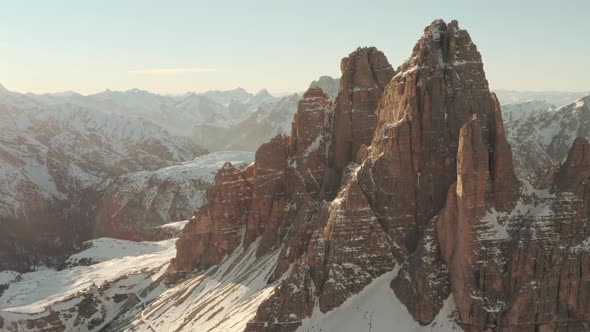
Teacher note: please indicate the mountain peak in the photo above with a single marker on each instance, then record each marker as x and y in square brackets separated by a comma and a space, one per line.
[328, 84]
[264, 93]
[239, 89]
[444, 46]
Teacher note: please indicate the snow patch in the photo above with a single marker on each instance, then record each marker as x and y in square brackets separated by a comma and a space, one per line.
[377, 309]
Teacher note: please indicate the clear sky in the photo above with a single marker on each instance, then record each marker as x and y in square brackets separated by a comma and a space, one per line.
[178, 46]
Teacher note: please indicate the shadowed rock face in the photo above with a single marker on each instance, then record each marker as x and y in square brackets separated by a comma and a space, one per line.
[365, 73]
[416, 172]
[573, 174]
[216, 229]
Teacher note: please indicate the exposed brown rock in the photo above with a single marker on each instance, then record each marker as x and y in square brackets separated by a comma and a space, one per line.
[365, 73]
[268, 197]
[505, 183]
[528, 272]
[426, 181]
[216, 229]
[291, 302]
[423, 280]
[414, 150]
[573, 174]
[467, 237]
[358, 250]
[269, 166]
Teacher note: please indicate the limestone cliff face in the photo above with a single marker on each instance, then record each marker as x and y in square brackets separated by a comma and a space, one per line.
[573, 175]
[414, 151]
[511, 270]
[264, 198]
[216, 228]
[409, 168]
[365, 73]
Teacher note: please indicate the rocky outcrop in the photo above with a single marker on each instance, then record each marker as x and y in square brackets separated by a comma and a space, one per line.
[573, 174]
[468, 236]
[423, 279]
[493, 257]
[421, 112]
[216, 229]
[365, 73]
[357, 248]
[286, 171]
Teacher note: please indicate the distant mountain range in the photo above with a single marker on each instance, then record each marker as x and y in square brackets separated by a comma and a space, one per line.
[74, 167]
[555, 98]
[541, 134]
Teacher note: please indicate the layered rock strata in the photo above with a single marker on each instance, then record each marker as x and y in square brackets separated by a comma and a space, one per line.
[409, 169]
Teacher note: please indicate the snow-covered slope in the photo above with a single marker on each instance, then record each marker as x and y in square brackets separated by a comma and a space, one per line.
[126, 288]
[61, 150]
[129, 206]
[513, 112]
[228, 96]
[211, 118]
[129, 286]
[544, 137]
[223, 298]
[377, 309]
[178, 114]
[52, 154]
[85, 298]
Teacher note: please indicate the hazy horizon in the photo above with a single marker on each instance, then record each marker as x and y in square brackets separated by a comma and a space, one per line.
[273, 93]
[195, 46]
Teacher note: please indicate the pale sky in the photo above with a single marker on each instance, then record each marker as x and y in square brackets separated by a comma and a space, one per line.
[178, 46]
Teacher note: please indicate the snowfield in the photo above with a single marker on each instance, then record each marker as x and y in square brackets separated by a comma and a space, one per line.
[35, 291]
[223, 298]
[377, 309]
[542, 138]
[206, 166]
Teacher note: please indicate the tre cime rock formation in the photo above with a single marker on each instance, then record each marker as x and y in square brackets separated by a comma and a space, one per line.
[408, 169]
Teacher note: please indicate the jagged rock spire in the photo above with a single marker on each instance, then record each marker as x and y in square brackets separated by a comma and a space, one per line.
[365, 73]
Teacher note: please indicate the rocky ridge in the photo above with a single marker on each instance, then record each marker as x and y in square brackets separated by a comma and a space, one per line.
[411, 171]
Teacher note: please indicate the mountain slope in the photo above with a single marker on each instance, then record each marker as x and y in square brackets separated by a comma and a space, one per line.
[267, 121]
[513, 112]
[50, 154]
[542, 139]
[86, 298]
[131, 205]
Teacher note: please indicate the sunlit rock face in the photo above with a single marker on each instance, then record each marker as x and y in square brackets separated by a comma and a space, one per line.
[409, 170]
